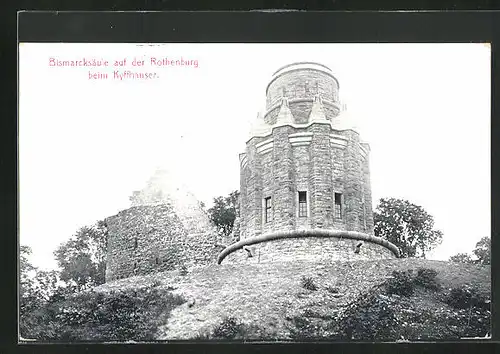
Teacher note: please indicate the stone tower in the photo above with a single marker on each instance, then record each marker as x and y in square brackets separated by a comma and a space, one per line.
[304, 176]
[305, 166]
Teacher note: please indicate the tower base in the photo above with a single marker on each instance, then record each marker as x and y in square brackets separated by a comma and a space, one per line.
[310, 245]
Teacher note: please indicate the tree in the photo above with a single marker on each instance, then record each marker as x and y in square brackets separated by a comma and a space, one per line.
[483, 251]
[406, 225]
[223, 213]
[462, 258]
[82, 259]
[26, 270]
[37, 288]
[27, 296]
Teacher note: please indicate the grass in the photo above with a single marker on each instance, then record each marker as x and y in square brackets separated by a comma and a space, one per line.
[267, 294]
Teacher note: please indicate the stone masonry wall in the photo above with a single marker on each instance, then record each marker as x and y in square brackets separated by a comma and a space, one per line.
[300, 111]
[282, 183]
[353, 180]
[320, 177]
[167, 187]
[267, 186]
[145, 239]
[367, 195]
[302, 161]
[310, 249]
[254, 194]
[338, 173]
[319, 168]
[272, 115]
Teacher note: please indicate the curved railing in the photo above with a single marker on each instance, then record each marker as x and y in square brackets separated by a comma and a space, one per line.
[301, 66]
[301, 63]
[352, 235]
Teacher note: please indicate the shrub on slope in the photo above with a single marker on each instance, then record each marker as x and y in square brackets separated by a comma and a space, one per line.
[408, 306]
[121, 315]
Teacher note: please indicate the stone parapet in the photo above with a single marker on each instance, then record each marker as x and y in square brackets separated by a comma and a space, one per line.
[315, 244]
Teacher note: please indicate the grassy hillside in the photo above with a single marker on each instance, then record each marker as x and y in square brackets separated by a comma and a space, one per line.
[337, 300]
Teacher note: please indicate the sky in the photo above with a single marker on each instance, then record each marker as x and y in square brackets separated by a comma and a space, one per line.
[86, 144]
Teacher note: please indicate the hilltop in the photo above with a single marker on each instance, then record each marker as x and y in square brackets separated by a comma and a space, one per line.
[306, 300]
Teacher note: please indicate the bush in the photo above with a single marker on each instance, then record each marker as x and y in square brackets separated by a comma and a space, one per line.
[308, 283]
[114, 316]
[465, 296]
[203, 336]
[427, 278]
[462, 258]
[404, 282]
[401, 283]
[332, 289]
[229, 328]
[371, 317]
[302, 328]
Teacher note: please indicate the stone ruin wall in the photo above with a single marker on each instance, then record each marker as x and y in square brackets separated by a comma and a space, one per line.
[152, 238]
[165, 229]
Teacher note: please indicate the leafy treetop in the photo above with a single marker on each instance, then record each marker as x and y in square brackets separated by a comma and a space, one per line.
[223, 213]
[406, 225]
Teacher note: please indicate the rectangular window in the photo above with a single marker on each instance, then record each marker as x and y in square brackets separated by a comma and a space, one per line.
[267, 209]
[302, 204]
[338, 206]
